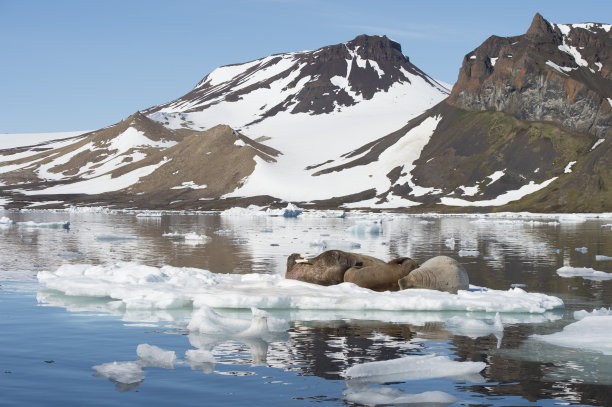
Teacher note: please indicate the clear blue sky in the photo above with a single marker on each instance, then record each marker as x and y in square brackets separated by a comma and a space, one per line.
[84, 64]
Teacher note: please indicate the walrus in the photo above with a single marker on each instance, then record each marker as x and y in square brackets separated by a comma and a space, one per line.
[336, 266]
[441, 273]
[381, 277]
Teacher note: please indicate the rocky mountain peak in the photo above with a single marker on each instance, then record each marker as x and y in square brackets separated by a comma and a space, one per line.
[541, 30]
[555, 72]
[377, 48]
[323, 81]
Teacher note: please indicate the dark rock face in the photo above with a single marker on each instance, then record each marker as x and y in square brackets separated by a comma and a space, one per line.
[332, 76]
[555, 73]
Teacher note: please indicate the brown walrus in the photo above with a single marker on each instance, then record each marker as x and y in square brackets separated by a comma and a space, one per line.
[441, 273]
[336, 266]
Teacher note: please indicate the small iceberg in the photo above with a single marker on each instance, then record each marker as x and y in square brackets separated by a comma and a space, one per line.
[290, 211]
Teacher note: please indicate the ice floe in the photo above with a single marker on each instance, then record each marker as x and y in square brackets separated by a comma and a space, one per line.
[366, 228]
[602, 258]
[468, 253]
[131, 372]
[414, 367]
[592, 333]
[596, 312]
[584, 272]
[45, 225]
[146, 287]
[329, 244]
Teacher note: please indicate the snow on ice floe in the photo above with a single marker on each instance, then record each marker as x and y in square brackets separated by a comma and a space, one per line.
[592, 333]
[584, 272]
[146, 287]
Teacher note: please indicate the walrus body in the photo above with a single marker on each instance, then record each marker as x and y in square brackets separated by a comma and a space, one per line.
[441, 273]
[381, 277]
[336, 266]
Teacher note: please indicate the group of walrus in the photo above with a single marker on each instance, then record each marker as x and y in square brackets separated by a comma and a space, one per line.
[331, 267]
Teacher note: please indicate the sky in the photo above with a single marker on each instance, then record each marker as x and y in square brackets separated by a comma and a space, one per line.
[70, 65]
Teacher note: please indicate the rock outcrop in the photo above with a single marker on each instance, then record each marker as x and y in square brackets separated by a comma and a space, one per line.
[554, 73]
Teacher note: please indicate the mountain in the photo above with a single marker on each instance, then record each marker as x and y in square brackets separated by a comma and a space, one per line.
[526, 127]
[296, 113]
[555, 72]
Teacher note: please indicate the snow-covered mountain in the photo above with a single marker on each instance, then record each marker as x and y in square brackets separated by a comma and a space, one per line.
[526, 127]
[297, 113]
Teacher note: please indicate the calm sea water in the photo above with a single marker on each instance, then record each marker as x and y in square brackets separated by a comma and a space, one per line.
[49, 342]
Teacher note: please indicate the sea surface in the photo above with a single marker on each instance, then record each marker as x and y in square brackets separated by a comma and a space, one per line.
[58, 349]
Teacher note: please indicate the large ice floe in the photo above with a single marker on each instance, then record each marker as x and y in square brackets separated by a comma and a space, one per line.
[139, 286]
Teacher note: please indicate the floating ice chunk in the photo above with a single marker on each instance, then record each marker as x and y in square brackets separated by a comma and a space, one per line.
[592, 333]
[122, 372]
[571, 218]
[290, 211]
[200, 359]
[6, 221]
[251, 210]
[389, 396]
[149, 214]
[602, 258]
[328, 244]
[413, 367]
[151, 355]
[185, 236]
[596, 312]
[323, 214]
[468, 253]
[450, 243]
[584, 272]
[366, 228]
[582, 249]
[45, 225]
